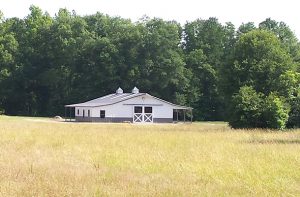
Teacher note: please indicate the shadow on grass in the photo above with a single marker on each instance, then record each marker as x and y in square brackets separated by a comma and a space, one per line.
[273, 141]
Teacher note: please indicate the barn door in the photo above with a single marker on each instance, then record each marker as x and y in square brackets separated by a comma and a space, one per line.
[142, 114]
[138, 114]
[148, 116]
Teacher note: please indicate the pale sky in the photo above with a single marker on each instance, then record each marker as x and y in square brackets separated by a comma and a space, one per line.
[235, 11]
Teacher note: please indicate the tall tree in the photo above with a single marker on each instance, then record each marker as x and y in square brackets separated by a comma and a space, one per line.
[162, 70]
[285, 35]
[204, 90]
[259, 60]
[207, 39]
[245, 28]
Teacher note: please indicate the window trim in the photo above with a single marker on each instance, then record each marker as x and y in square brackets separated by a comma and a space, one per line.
[141, 107]
[148, 107]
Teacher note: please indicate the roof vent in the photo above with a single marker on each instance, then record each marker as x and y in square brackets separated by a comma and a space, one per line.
[119, 91]
[135, 90]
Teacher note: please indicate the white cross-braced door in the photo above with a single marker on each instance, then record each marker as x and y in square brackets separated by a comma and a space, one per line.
[142, 114]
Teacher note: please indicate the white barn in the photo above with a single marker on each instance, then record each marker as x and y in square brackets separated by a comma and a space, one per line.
[133, 107]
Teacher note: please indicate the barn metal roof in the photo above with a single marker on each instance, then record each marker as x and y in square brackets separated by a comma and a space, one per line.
[107, 100]
[119, 97]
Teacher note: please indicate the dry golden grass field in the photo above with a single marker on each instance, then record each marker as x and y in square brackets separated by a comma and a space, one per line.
[41, 157]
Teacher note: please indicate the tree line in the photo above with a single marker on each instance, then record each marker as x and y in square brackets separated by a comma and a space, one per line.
[249, 75]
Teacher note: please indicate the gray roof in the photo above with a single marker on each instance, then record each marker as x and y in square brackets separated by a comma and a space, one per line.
[116, 98]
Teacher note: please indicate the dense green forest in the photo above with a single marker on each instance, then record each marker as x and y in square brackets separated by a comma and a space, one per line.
[248, 75]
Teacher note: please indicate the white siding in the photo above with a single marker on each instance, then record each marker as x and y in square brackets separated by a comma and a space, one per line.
[160, 109]
[115, 110]
[81, 111]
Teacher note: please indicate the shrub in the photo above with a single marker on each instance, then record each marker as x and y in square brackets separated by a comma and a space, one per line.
[246, 108]
[275, 112]
[289, 87]
[251, 109]
[294, 115]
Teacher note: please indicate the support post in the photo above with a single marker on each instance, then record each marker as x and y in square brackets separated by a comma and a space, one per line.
[177, 114]
[184, 115]
[65, 113]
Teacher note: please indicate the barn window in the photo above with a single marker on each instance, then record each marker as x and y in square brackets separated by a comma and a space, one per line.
[148, 110]
[138, 109]
[77, 111]
[83, 113]
[102, 113]
[89, 113]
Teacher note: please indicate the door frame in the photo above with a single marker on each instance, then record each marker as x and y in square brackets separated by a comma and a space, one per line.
[142, 117]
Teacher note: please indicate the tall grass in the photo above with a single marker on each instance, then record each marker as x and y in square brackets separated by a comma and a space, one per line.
[39, 158]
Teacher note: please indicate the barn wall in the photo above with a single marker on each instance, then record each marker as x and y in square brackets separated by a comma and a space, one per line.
[81, 111]
[123, 111]
[116, 110]
[125, 108]
[160, 109]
